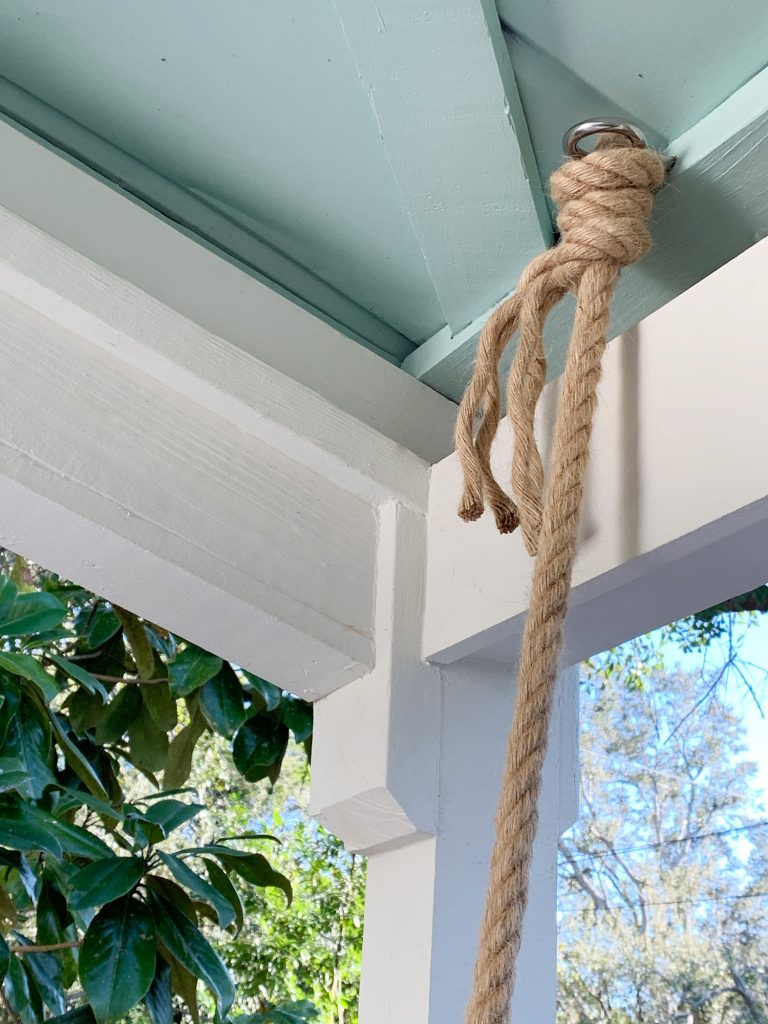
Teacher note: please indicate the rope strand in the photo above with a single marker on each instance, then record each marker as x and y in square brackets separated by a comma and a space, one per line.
[604, 200]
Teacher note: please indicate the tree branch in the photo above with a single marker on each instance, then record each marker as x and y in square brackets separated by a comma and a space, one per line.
[51, 948]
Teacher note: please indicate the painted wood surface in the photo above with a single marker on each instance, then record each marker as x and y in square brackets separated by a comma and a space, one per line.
[670, 64]
[676, 511]
[442, 89]
[714, 206]
[243, 121]
[128, 241]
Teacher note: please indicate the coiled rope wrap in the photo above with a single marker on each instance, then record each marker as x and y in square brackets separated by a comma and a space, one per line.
[604, 200]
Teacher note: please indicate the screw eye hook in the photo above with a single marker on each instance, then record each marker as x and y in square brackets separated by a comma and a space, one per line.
[608, 125]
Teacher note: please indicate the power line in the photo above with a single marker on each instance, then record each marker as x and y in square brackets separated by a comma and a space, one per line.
[665, 903]
[694, 837]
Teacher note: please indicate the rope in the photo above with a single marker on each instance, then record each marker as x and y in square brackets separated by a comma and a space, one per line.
[604, 200]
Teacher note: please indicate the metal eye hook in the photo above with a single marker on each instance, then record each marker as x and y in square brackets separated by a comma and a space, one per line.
[608, 125]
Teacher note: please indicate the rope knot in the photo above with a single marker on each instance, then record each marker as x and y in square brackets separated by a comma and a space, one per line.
[604, 201]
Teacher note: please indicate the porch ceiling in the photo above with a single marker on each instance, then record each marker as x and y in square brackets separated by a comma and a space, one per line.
[373, 161]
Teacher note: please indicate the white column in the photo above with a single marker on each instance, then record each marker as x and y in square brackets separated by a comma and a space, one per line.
[407, 768]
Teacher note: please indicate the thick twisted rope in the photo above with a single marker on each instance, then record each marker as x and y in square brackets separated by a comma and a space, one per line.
[605, 200]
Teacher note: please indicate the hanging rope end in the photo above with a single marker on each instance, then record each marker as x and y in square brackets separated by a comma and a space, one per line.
[471, 507]
[506, 516]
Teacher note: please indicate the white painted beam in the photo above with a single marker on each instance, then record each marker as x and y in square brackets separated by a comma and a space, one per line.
[97, 220]
[713, 208]
[443, 92]
[676, 514]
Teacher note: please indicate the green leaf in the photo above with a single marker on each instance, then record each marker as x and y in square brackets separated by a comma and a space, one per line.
[19, 992]
[259, 743]
[118, 715]
[29, 880]
[221, 882]
[46, 971]
[20, 834]
[80, 675]
[5, 956]
[8, 593]
[32, 613]
[74, 839]
[221, 701]
[160, 705]
[225, 910]
[27, 667]
[10, 696]
[28, 742]
[192, 668]
[173, 893]
[158, 1000]
[178, 764]
[76, 797]
[117, 959]
[269, 693]
[169, 814]
[80, 1015]
[96, 627]
[12, 774]
[183, 983]
[76, 759]
[193, 951]
[84, 710]
[256, 869]
[297, 715]
[148, 744]
[55, 924]
[104, 881]
[138, 642]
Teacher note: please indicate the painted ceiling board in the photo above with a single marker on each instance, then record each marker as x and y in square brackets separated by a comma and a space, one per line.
[445, 99]
[670, 64]
[254, 109]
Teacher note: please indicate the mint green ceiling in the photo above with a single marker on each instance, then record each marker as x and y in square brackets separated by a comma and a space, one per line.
[372, 161]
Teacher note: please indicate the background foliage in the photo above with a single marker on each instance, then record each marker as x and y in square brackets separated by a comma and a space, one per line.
[113, 872]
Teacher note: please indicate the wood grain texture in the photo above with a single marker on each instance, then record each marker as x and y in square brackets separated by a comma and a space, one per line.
[83, 430]
[714, 206]
[440, 84]
[98, 222]
[115, 316]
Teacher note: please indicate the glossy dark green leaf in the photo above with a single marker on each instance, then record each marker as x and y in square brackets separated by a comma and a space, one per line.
[5, 956]
[10, 697]
[148, 745]
[12, 774]
[173, 893]
[178, 764]
[55, 924]
[83, 709]
[221, 701]
[31, 882]
[160, 705]
[80, 675]
[76, 759]
[225, 910]
[191, 669]
[8, 593]
[19, 834]
[27, 667]
[104, 881]
[20, 994]
[256, 869]
[193, 951]
[74, 839]
[80, 1015]
[170, 814]
[32, 613]
[183, 983]
[45, 970]
[259, 743]
[96, 627]
[297, 715]
[117, 959]
[269, 693]
[220, 880]
[119, 714]
[28, 741]
[138, 642]
[158, 1000]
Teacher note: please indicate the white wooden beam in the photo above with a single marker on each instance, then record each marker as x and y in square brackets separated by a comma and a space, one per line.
[97, 220]
[443, 92]
[676, 515]
[147, 459]
[714, 207]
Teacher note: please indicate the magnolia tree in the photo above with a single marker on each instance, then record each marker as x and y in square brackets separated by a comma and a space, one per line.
[103, 904]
